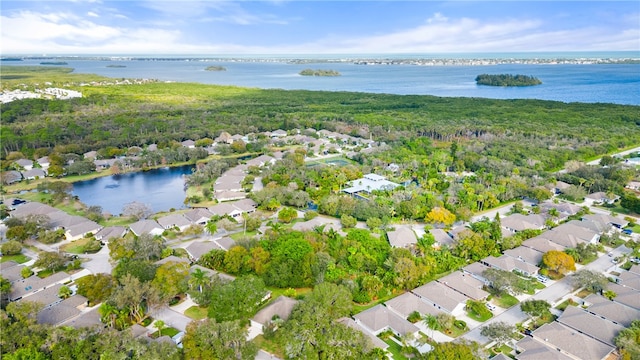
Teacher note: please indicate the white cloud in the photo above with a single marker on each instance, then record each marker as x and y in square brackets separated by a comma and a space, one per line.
[92, 14]
[63, 32]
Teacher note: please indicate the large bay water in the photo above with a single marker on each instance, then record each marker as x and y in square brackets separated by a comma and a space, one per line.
[162, 189]
[592, 83]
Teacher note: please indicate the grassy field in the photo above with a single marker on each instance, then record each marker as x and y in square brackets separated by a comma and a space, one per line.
[196, 313]
[19, 258]
[395, 349]
[505, 301]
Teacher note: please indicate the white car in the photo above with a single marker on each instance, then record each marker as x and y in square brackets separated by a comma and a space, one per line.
[543, 279]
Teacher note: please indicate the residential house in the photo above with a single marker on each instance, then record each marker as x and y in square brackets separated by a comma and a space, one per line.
[44, 162]
[224, 138]
[229, 195]
[528, 255]
[370, 183]
[629, 279]
[530, 349]
[278, 133]
[378, 319]
[376, 341]
[90, 155]
[198, 248]
[25, 164]
[172, 221]
[10, 177]
[625, 295]
[110, 232]
[198, 216]
[507, 263]
[571, 343]
[442, 297]
[570, 235]
[62, 311]
[319, 221]
[211, 273]
[407, 303]
[190, 144]
[28, 287]
[225, 243]
[562, 209]
[477, 270]
[560, 187]
[604, 221]
[402, 237]
[542, 244]
[82, 229]
[229, 183]
[279, 308]
[441, 238]
[466, 285]
[46, 297]
[633, 185]
[152, 147]
[33, 174]
[146, 227]
[600, 198]
[613, 311]
[234, 209]
[173, 259]
[518, 222]
[35, 208]
[11, 271]
[86, 319]
[104, 164]
[262, 160]
[591, 325]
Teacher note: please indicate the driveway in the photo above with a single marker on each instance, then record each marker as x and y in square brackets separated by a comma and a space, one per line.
[98, 262]
[172, 318]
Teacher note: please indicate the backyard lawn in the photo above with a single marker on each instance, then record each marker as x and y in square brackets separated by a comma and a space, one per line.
[19, 258]
[196, 313]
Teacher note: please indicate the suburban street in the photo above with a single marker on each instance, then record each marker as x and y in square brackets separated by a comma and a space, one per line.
[555, 293]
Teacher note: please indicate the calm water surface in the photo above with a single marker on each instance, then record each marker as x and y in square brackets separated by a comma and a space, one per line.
[610, 83]
[162, 189]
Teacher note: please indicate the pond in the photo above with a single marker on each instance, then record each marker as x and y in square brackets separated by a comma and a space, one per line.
[161, 189]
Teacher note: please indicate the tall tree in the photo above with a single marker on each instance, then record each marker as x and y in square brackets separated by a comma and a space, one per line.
[211, 340]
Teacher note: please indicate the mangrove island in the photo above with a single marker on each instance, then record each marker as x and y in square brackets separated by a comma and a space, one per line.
[319, 72]
[507, 80]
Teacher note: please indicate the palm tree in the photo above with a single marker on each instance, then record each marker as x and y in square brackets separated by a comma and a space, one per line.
[198, 278]
[159, 324]
[211, 227]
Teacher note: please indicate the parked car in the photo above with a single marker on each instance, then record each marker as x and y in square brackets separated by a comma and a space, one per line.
[543, 279]
[627, 231]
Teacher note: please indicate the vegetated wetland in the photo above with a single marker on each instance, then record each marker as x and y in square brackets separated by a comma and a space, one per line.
[542, 134]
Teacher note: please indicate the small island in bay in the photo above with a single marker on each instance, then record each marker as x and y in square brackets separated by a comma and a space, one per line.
[507, 80]
[216, 68]
[116, 66]
[54, 63]
[319, 72]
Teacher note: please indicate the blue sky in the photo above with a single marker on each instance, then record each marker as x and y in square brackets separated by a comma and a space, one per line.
[316, 27]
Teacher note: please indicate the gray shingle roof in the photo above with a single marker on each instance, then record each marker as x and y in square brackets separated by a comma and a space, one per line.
[281, 306]
[407, 303]
[172, 220]
[198, 248]
[611, 310]
[465, 284]
[379, 318]
[571, 341]
[403, 236]
[590, 325]
[377, 342]
[441, 295]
